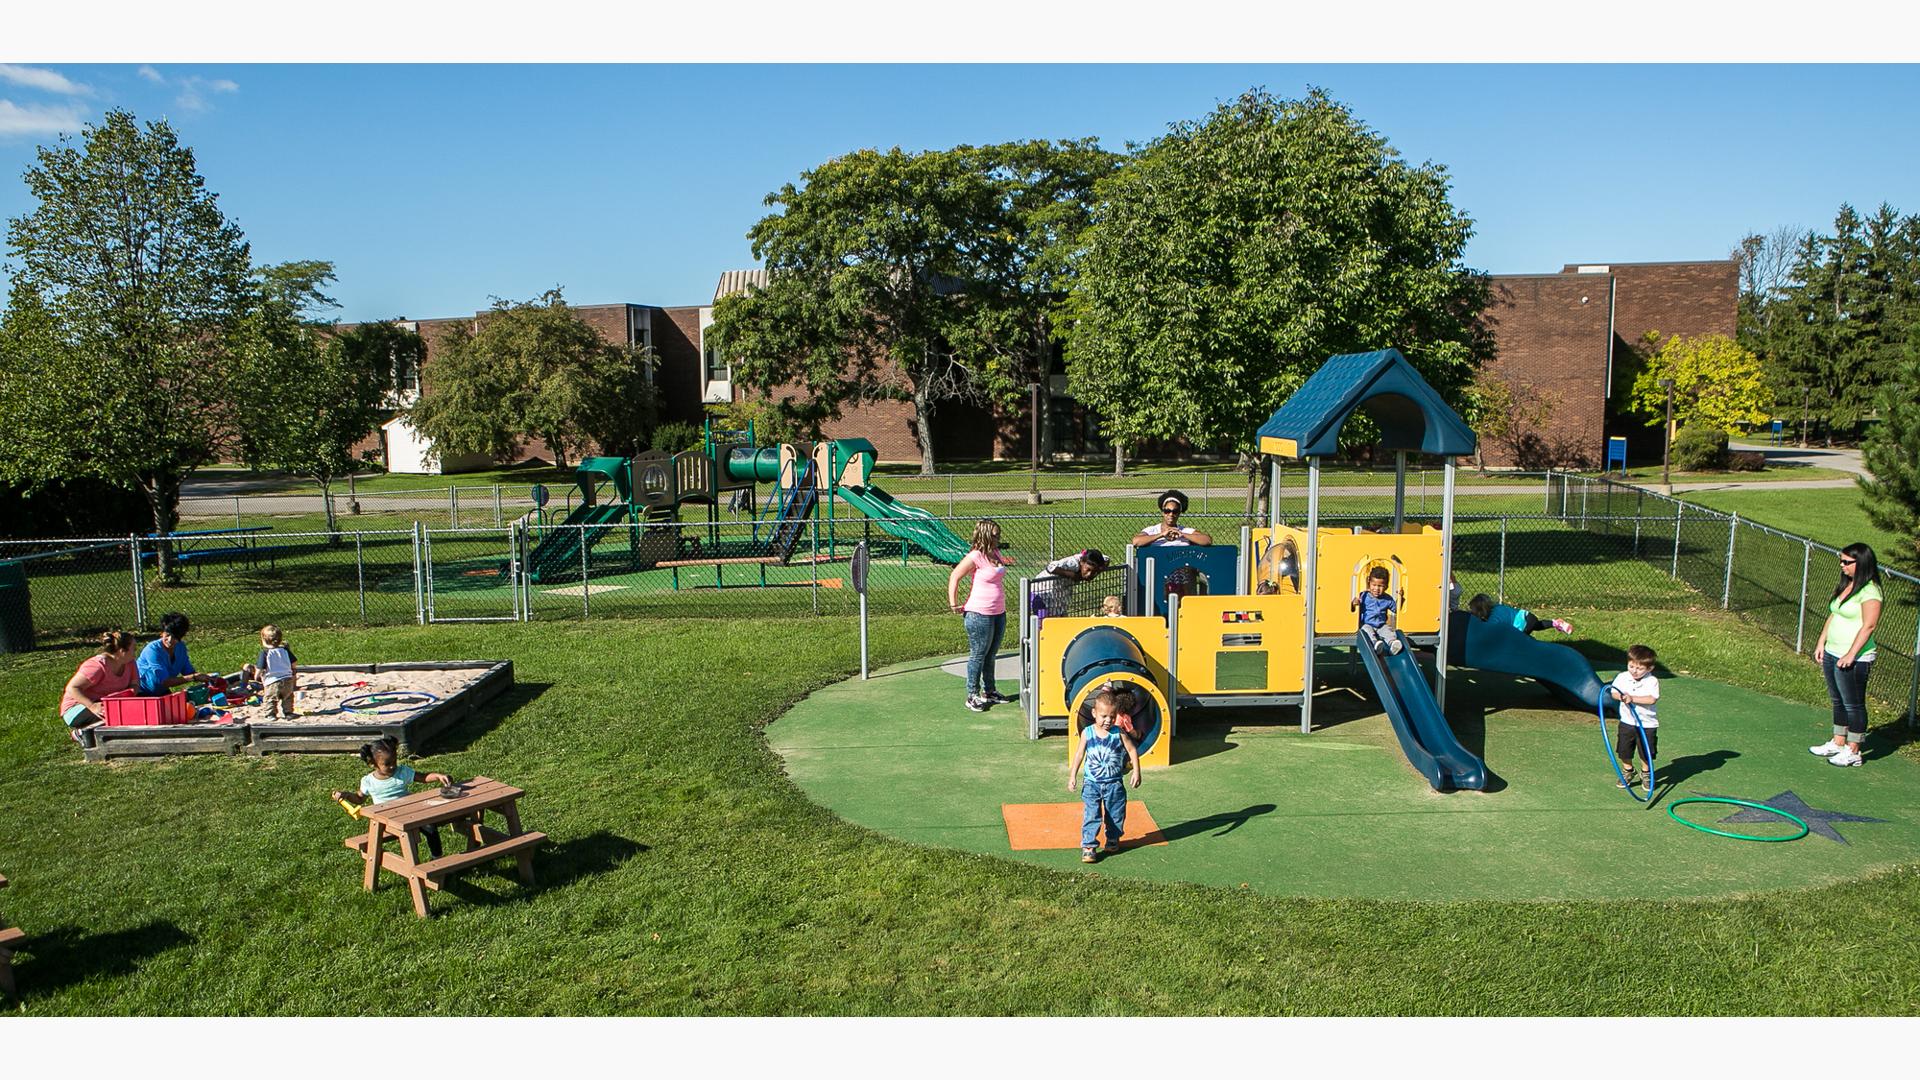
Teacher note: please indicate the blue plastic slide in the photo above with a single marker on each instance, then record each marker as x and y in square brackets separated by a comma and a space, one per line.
[1424, 734]
[1495, 644]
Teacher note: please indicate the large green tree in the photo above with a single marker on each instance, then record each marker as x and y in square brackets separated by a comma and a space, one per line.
[1891, 496]
[892, 276]
[533, 369]
[312, 393]
[119, 342]
[1232, 256]
[1717, 383]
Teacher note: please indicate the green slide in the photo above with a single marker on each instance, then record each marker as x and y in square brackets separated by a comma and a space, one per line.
[909, 523]
[558, 553]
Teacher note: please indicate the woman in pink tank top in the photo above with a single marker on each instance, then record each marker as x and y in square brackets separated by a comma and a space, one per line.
[985, 612]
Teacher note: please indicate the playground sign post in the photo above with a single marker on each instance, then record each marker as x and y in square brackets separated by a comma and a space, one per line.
[859, 575]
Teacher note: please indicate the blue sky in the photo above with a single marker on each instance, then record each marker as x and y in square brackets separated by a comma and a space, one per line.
[434, 187]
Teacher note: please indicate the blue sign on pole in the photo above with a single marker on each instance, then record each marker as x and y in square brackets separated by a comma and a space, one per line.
[1617, 452]
[1778, 427]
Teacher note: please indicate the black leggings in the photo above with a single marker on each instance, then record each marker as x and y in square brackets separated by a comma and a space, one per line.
[1535, 623]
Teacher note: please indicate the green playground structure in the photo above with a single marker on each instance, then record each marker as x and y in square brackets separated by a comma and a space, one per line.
[644, 494]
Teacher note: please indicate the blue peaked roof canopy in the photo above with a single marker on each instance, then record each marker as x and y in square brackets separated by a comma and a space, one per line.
[1411, 414]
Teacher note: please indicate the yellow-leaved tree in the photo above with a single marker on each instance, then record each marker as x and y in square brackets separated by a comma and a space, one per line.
[1716, 383]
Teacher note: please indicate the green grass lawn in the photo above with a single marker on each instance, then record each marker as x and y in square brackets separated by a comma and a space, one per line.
[1652, 474]
[687, 875]
[1832, 516]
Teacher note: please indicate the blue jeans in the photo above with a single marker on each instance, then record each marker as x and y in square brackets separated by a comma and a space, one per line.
[1847, 689]
[1103, 801]
[983, 643]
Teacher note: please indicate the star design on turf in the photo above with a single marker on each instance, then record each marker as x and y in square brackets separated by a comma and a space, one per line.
[1818, 821]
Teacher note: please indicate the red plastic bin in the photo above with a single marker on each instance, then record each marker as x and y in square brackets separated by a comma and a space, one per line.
[128, 709]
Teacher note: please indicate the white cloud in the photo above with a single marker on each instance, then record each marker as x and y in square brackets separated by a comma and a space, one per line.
[38, 119]
[151, 74]
[194, 90]
[42, 79]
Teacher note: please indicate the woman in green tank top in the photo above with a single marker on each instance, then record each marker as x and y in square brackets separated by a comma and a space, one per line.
[1846, 651]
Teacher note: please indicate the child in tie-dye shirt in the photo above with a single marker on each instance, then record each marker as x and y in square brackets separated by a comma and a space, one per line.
[1108, 752]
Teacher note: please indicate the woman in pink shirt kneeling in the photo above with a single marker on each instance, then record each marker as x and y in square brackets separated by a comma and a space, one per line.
[108, 672]
[985, 612]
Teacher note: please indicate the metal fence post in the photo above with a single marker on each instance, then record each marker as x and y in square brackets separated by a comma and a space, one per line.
[1500, 590]
[360, 577]
[814, 572]
[1913, 683]
[1083, 492]
[453, 506]
[1586, 486]
[949, 512]
[1800, 625]
[1726, 587]
[139, 583]
[1051, 554]
[1203, 491]
[586, 586]
[499, 520]
[419, 581]
[236, 512]
[1679, 508]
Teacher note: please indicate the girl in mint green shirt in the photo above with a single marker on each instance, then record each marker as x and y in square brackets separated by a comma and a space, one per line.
[1846, 650]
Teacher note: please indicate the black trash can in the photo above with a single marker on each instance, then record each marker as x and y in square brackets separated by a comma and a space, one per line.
[16, 608]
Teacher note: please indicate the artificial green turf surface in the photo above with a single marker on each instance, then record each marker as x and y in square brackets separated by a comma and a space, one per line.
[1339, 813]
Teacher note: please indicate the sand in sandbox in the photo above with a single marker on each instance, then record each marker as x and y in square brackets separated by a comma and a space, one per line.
[319, 694]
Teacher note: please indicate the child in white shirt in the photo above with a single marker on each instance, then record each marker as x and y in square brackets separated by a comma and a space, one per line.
[1638, 692]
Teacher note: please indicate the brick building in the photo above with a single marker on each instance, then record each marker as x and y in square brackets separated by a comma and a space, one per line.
[1560, 338]
[1564, 339]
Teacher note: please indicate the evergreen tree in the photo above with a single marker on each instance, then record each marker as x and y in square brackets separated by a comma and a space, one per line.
[1891, 497]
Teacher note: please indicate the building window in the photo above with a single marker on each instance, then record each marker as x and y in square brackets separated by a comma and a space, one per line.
[406, 374]
[717, 370]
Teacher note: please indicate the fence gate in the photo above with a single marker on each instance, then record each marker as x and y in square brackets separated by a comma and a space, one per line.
[471, 575]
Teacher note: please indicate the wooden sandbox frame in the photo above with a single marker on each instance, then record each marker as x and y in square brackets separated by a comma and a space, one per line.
[100, 742]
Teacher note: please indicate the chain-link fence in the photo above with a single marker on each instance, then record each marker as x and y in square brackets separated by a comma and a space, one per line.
[1581, 543]
[1775, 580]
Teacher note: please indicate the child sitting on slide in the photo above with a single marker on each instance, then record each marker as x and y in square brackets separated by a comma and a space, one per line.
[1523, 620]
[1376, 612]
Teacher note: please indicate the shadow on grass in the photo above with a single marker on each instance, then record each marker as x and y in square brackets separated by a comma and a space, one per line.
[484, 719]
[67, 955]
[1673, 773]
[555, 866]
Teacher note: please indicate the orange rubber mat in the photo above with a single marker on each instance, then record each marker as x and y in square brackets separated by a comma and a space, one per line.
[1040, 826]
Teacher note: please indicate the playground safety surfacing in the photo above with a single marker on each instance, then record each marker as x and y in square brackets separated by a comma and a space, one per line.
[1251, 803]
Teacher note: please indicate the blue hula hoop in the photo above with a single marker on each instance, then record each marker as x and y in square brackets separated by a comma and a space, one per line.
[1645, 751]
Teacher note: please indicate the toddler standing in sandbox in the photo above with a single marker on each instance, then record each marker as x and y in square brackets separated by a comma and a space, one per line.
[279, 673]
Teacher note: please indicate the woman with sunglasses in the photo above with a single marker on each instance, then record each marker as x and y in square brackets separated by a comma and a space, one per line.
[1168, 531]
[1846, 651]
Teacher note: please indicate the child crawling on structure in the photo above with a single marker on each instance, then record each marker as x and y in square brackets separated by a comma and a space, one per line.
[1524, 621]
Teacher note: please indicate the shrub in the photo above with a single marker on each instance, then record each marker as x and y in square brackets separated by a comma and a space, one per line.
[675, 437]
[1700, 448]
[1746, 461]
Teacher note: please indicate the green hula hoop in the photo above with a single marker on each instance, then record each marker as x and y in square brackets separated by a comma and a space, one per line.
[1677, 803]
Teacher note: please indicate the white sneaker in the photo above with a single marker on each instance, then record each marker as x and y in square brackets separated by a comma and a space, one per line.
[1849, 756]
[1825, 749]
[1394, 645]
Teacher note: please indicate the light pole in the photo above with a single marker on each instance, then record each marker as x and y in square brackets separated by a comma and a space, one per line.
[1806, 405]
[1033, 492]
[1666, 449]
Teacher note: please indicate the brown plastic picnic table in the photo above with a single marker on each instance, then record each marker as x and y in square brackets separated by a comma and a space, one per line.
[10, 937]
[404, 819]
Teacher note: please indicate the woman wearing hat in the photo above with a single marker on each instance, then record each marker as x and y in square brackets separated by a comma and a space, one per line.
[1168, 532]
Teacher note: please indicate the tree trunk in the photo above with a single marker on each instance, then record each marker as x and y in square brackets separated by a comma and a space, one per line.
[1119, 458]
[1044, 371]
[326, 500]
[923, 420]
[163, 507]
[1255, 504]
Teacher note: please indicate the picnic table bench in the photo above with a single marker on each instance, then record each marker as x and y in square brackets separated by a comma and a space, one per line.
[9, 938]
[197, 547]
[404, 819]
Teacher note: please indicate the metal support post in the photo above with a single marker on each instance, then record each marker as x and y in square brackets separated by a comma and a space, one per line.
[1310, 586]
[1679, 509]
[1446, 582]
[1726, 586]
[1173, 668]
[453, 506]
[1273, 499]
[360, 576]
[419, 581]
[949, 498]
[1800, 625]
[499, 519]
[1051, 554]
[236, 511]
[1400, 489]
[814, 563]
[1083, 492]
[139, 583]
[585, 585]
